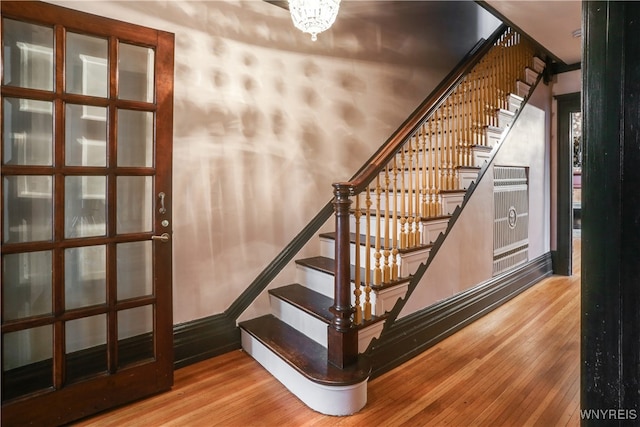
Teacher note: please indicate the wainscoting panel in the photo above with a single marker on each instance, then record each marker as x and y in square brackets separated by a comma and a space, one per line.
[511, 218]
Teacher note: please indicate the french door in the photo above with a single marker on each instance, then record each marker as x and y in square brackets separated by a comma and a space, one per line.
[87, 110]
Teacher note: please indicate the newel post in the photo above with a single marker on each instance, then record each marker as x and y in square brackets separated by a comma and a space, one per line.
[342, 337]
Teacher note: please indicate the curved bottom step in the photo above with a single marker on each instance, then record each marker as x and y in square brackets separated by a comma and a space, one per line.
[338, 398]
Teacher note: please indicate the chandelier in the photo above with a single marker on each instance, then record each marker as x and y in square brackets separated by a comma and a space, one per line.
[313, 16]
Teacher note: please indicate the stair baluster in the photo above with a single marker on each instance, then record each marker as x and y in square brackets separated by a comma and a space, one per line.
[357, 280]
[367, 257]
[394, 252]
[386, 272]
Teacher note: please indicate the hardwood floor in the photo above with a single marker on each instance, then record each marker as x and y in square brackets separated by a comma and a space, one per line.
[517, 366]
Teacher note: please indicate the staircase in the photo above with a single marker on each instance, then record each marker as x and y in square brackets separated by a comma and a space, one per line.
[387, 221]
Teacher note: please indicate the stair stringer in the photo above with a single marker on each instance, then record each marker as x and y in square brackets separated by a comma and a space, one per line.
[394, 314]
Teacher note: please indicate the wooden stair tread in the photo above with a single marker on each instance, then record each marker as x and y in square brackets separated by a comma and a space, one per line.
[327, 266]
[517, 97]
[494, 129]
[305, 299]
[303, 354]
[320, 263]
[422, 219]
[484, 148]
[372, 240]
[506, 112]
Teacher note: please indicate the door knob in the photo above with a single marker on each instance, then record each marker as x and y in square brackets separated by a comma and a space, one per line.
[164, 237]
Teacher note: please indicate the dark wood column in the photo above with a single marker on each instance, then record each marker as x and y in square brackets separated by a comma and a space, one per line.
[611, 212]
[342, 336]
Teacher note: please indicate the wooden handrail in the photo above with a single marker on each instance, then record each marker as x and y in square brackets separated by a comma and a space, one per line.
[428, 106]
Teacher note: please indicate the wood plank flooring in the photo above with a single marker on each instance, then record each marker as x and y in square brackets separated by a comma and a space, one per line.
[517, 366]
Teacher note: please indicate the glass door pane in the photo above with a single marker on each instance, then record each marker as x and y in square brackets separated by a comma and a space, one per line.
[85, 276]
[85, 347]
[85, 206]
[135, 72]
[86, 65]
[135, 138]
[135, 269]
[85, 135]
[135, 335]
[28, 208]
[27, 354]
[27, 55]
[134, 204]
[27, 279]
[28, 132]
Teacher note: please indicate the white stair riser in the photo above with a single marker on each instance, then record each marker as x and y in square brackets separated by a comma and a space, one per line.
[466, 177]
[309, 325]
[530, 76]
[480, 157]
[327, 249]
[492, 136]
[383, 222]
[432, 229]
[368, 334]
[336, 401]
[394, 202]
[411, 261]
[373, 230]
[505, 118]
[325, 281]
[316, 329]
[450, 202]
[315, 280]
[429, 229]
[538, 64]
[386, 299]
[514, 102]
[522, 89]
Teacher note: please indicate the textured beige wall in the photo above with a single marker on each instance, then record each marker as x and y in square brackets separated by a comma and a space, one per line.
[265, 120]
[465, 257]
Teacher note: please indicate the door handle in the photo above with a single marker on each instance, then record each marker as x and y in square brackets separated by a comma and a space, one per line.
[164, 237]
[162, 209]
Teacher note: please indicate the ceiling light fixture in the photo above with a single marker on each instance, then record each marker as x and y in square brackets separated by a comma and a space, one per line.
[313, 16]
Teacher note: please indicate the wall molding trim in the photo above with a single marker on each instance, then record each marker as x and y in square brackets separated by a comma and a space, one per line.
[204, 338]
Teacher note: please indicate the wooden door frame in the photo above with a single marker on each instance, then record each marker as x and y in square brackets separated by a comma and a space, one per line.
[562, 259]
[53, 406]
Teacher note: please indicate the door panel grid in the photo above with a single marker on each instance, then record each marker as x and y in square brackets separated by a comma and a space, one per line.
[86, 292]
